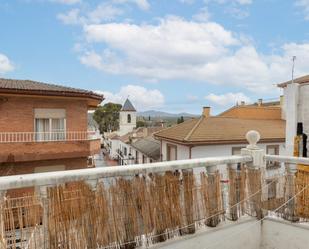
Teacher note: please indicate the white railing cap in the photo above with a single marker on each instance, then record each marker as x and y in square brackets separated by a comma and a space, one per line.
[61, 177]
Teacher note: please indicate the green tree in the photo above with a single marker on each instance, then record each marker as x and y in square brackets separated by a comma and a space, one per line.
[140, 123]
[107, 116]
[180, 120]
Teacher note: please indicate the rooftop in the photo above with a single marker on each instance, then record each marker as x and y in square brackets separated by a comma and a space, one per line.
[301, 80]
[30, 87]
[148, 146]
[222, 130]
[140, 132]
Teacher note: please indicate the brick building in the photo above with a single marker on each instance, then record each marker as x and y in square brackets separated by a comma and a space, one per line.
[43, 127]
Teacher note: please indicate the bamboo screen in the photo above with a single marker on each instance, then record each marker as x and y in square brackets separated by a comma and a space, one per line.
[302, 182]
[127, 212]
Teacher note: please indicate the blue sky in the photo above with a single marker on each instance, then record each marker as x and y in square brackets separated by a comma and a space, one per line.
[176, 55]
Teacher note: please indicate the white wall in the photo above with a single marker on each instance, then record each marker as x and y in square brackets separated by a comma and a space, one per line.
[124, 126]
[277, 234]
[242, 235]
[210, 150]
[291, 95]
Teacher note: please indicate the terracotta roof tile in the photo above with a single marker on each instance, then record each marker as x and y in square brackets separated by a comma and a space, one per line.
[39, 88]
[222, 130]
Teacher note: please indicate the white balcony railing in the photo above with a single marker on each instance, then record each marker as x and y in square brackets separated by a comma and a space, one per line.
[29, 137]
[139, 205]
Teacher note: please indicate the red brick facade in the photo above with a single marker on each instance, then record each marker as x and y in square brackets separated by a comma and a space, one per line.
[17, 115]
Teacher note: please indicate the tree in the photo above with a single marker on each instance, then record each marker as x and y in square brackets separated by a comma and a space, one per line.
[107, 116]
[180, 120]
[140, 123]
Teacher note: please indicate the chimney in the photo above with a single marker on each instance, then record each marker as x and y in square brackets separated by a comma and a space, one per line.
[260, 102]
[206, 111]
[242, 103]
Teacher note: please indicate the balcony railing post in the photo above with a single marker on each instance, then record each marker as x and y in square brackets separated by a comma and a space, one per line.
[234, 190]
[213, 192]
[2, 228]
[45, 204]
[290, 211]
[255, 171]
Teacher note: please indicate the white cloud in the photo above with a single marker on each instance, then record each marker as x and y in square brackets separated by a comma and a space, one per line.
[203, 15]
[69, 2]
[304, 4]
[236, 12]
[71, 17]
[5, 64]
[102, 13]
[142, 4]
[227, 99]
[179, 49]
[142, 98]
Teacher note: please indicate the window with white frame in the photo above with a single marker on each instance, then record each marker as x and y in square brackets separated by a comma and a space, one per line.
[49, 124]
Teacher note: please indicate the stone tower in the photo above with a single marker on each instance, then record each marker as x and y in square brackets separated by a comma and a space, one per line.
[127, 118]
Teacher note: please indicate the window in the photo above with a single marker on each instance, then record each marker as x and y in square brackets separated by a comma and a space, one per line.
[49, 124]
[171, 154]
[144, 159]
[272, 150]
[129, 118]
[125, 151]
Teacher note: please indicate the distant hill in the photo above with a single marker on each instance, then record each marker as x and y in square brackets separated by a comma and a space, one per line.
[159, 114]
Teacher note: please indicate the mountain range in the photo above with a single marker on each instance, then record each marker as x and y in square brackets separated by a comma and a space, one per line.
[160, 114]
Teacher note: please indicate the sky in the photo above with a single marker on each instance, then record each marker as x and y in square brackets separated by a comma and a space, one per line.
[175, 55]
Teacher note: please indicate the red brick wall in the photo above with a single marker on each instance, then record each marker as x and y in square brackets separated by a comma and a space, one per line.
[19, 152]
[29, 167]
[17, 114]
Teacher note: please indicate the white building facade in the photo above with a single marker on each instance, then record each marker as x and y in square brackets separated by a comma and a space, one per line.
[295, 109]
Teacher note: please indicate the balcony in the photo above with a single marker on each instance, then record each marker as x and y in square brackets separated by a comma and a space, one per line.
[198, 203]
[33, 146]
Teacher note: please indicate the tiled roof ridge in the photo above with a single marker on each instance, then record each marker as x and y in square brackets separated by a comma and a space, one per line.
[173, 126]
[249, 106]
[194, 128]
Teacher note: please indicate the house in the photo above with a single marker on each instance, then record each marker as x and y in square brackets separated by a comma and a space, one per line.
[210, 136]
[44, 127]
[296, 111]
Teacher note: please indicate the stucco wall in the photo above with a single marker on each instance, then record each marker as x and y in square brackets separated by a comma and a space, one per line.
[211, 150]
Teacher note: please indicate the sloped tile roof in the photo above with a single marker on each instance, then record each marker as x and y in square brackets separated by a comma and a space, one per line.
[148, 146]
[128, 106]
[39, 88]
[222, 130]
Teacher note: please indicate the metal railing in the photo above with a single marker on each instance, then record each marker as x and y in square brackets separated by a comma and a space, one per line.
[29, 137]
